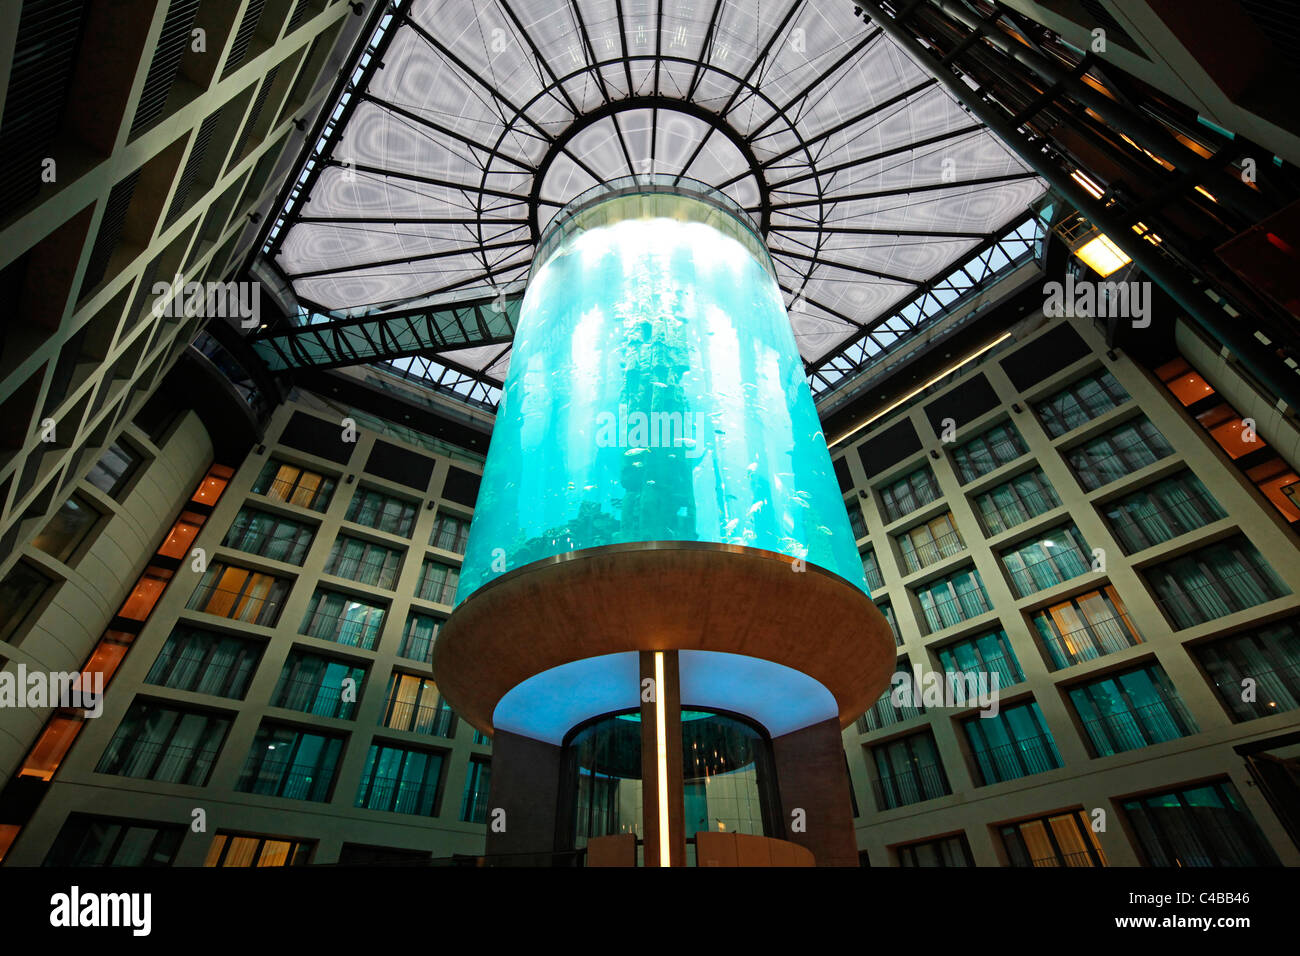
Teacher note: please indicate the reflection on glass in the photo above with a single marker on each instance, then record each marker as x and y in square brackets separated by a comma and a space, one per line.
[727, 776]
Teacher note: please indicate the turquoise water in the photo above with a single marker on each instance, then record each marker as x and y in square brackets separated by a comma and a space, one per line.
[655, 393]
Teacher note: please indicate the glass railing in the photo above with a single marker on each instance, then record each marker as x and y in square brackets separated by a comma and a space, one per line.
[1048, 572]
[1167, 719]
[235, 605]
[1003, 518]
[913, 785]
[1185, 606]
[1161, 523]
[435, 719]
[1022, 758]
[1088, 642]
[923, 555]
[313, 697]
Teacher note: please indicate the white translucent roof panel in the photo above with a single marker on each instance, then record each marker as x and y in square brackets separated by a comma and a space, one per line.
[868, 179]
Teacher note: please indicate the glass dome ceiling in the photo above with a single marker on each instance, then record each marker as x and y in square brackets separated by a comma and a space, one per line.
[466, 126]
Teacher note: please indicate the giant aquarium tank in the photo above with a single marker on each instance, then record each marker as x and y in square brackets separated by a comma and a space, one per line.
[655, 393]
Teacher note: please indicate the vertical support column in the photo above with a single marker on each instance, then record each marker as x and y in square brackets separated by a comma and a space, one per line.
[661, 761]
[525, 784]
[811, 774]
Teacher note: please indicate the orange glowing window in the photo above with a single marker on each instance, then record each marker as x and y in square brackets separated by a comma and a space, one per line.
[104, 660]
[182, 535]
[1184, 381]
[213, 484]
[1229, 429]
[119, 637]
[1273, 478]
[146, 594]
[51, 747]
[8, 833]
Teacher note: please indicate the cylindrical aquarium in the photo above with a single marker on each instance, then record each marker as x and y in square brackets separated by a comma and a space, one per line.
[655, 394]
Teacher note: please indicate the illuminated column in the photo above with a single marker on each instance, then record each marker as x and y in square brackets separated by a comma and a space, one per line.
[658, 481]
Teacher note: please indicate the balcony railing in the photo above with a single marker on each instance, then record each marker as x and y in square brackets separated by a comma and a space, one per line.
[1162, 523]
[972, 464]
[313, 697]
[1067, 563]
[283, 777]
[397, 795]
[950, 611]
[344, 630]
[1214, 598]
[898, 506]
[918, 556]
[1005, 517]
[235, 605]
[1277, 690]
[872, 574]
[1095, 471]
[1079, 858]
[913, 785]
[1021, 758]
[295, 493]
[1143, 726]
[165, 763]
[381, 573]
[436, 719]
[1088, 642]
[884, 713]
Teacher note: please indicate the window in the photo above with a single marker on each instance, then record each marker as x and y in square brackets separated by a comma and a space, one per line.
[1014, 502]
[20, 591]
[474, 803]
[914, 490]
[1080, 402]
[1269, 656]
[1228, 429]
[857, 521]
[1085, 627]
[1015, 743]
[112, 473]
[871, 569]
[363, 561]
[1060, 554]
[944, 851]
[1275, 480]
[987, 451]
[282, 481]
[953, 599]
[383, 512]
[438, 582]
[87, 840]
[1131, 710]
[1202, 825]
[271, 536]
[400, 780]
[240, 594]
[989, 653]
[181, 536]
[231, 849]
[314, 685]
[67, 528]
[1184, 381]
[1161, 511]
[1119, 452]
[1062, 839]
[1213, 581]
[449, 532]
[336, 617]
[927, 543]
[884, 711]
[285, 762]
[165, 743]
[418, 637]
[205, 663]
[413, 703]
[148, 589]
[887, 610]
[908, 771]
